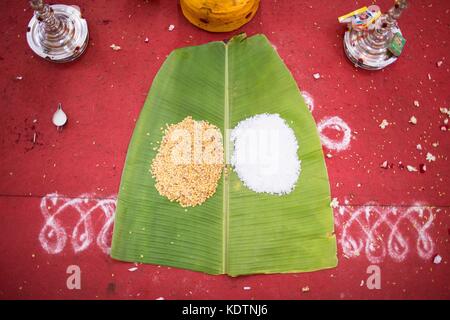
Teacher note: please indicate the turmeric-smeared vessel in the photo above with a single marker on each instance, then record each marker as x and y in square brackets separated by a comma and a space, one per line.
[219, 15]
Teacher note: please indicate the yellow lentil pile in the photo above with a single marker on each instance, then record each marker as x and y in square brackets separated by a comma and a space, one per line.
[189, 162]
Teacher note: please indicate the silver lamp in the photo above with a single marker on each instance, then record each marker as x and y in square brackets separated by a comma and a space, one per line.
[370, 49]
[57, 32]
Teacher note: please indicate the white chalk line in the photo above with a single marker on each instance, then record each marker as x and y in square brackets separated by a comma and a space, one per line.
[379, 232]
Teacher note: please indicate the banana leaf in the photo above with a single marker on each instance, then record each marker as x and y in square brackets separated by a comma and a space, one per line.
[236, 231]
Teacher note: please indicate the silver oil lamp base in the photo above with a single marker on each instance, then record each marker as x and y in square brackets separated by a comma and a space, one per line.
[369, 49]
[366, 56]
[58, 32]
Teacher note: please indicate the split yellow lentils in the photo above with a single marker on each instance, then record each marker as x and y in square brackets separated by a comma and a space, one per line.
[189, 162]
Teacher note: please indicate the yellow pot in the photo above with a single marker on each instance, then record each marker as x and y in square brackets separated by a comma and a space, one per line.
[219, 15]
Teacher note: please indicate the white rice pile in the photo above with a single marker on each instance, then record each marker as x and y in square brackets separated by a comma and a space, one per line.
[265, 154]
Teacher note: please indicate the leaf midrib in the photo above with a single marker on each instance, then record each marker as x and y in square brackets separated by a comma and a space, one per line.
[226, 184]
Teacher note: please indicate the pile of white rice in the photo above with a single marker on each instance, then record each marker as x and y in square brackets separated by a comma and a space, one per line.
[265, 154]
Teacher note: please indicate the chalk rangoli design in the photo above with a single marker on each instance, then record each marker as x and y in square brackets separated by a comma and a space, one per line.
[377, 231]
[335, 123]
[371, 230]
[59, 212]
[342, 140]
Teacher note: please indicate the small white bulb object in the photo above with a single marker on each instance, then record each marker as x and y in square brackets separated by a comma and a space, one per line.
[59, 118]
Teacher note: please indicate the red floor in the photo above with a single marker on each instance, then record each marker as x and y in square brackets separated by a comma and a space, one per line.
[392, 218]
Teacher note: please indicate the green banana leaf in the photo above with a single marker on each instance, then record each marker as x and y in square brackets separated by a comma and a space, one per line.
[236, 231]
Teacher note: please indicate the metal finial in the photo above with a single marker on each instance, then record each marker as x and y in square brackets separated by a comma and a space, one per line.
[37, 4]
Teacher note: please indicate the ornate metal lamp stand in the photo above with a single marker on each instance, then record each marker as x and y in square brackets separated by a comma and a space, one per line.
[369, 49]
[58, 32]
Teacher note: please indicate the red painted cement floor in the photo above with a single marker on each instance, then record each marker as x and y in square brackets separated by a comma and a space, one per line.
[392, 218]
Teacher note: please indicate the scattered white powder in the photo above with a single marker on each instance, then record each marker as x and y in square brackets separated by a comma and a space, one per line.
[115, 47]
[430, 157]
[383, 124]
[265, 154]
[413, 120]
[445, 111]
[334, 203]
[437, 259]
